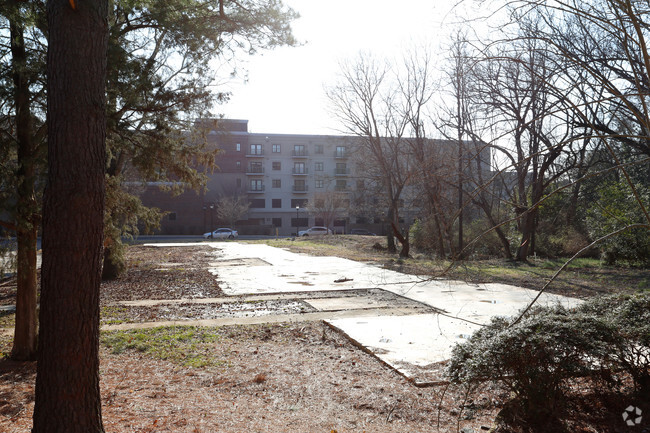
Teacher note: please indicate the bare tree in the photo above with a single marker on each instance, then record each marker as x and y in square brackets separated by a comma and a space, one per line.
[231, 209]
[329, 206]
[515, 85]
[367, 105]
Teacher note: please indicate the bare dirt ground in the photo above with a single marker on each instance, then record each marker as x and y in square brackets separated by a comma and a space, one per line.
[302, 377]
[294, 377]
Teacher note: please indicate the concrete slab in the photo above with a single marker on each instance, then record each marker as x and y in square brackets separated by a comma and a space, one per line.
[283, 271]
[407, 342]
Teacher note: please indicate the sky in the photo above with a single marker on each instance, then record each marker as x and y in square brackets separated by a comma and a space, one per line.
[285, 87]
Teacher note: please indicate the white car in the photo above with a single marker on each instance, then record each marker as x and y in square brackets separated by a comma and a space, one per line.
[221, 234]
[315, 231]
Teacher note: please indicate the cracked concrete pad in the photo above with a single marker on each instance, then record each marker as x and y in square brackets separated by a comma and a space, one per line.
[407, 342]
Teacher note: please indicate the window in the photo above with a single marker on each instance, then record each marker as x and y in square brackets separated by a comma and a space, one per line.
[276, 148]
[300, 222]
[256, 185]
[276, 165]
[299, 185]
[319, 183]
[256, 149]
[238, 164]
[341, 185]
[299, 168]
[299, 150]
[319, 149]
[302, 202]
[340, 151]
[277, 222]
[171, 216]
[318, 166]
[238, 147]
[238, 183]
[257, 203]
[319, 203]
[255, 167]
[276, 183]
[276, 203]
[341, 168]
[360, 184]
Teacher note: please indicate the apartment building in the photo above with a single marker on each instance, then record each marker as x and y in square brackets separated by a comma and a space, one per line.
[286, 178]
[279, 175]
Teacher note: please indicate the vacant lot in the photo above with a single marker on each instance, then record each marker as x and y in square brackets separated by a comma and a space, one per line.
[292, 377]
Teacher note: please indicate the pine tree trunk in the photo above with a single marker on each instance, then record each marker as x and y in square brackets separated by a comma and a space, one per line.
[67, 383]
[26, 326]
[25, 330]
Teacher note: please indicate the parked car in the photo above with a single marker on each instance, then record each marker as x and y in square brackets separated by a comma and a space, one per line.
[361, 232]
[315, 231]
[221, 234]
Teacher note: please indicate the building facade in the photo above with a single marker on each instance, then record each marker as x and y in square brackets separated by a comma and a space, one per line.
[291, 182]
[279, 175]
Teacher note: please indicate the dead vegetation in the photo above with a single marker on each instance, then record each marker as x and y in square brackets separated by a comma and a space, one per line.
[266, 378]
[281, 378]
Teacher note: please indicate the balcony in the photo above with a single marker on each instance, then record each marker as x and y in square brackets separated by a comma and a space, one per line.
[300, 188]
[300, 171]
[259, 153]
[254, 170]
[342, 188]
[255, 189]
[341, 172]
[300, 153]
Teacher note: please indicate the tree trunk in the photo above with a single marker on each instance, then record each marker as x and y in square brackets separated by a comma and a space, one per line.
[390, 238]
[25, 330]
[527, 230]
[406, 247]
[26, 326]
[113, 266]
[67, 398]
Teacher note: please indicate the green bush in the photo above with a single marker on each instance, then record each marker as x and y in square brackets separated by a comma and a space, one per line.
[615, 208]
[534, 358]
[629, 346]
[537, 357]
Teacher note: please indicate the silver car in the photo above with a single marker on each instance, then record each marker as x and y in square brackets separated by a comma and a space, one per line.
[315, 231]
[221, 234]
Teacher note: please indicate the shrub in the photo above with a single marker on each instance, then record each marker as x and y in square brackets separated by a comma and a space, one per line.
[629, 346]
[537, 357]
[615, 208]
[534, 359]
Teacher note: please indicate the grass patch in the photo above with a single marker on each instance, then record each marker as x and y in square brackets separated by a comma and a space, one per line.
[113, 315]
[188, 346]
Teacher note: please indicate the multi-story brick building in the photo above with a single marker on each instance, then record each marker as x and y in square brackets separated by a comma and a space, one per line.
[283, 177]
[278, 174]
